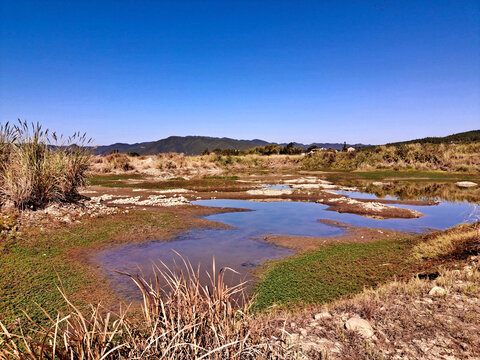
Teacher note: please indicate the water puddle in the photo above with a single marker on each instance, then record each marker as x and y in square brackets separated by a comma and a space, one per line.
[300, 218]
[243, 247]
[231, 248]
[362, 195]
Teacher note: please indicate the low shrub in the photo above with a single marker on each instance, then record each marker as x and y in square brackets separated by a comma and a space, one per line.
[170, 161]
[118, 161]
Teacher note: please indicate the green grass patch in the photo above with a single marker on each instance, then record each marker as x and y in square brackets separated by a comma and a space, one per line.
[29, 265]
[206, 184]
[332, 272]
[221, 177]
[111, 180]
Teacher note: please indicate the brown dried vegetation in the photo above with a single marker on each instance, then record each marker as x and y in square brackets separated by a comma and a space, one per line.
[38, 167]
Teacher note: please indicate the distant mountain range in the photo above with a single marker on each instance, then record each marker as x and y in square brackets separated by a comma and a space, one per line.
[467, 136]
[195, 145]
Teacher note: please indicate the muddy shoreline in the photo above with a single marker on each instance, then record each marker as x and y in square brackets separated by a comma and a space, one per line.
[377, 208]
[308, 189]
[354, 234]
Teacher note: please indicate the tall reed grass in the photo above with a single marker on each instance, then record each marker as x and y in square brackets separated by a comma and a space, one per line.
[38, 167]
[181, 319]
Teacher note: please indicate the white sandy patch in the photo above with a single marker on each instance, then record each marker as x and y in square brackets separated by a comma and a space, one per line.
[308, 180]
[269, 192]
[374, 207]
[167, 191]
[154, 200]
[379, 183]
[315, 186]
[105, 197]
[466, 184]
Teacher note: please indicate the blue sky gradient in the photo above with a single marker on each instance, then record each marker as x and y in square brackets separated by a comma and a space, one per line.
[370, 71]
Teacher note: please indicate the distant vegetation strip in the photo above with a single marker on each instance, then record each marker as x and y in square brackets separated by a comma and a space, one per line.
[444, 157]
[196, 145]
[462, 137]
[462, 158]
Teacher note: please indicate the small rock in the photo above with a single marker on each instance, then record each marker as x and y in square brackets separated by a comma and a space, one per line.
[466, 184]
[303, 332]
[361, 326]
[323, 315]
[437, 291]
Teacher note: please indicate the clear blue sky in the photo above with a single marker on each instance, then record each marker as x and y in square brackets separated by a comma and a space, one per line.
[369, 71]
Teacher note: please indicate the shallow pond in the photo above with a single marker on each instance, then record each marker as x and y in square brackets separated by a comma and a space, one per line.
[362, 195]
[243, 247]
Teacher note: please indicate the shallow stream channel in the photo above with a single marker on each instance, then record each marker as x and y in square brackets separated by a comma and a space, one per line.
[243, 246]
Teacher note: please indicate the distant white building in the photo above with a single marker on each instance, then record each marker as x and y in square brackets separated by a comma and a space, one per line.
[316, 150]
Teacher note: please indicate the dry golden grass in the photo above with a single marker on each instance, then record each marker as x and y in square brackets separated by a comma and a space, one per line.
[38, 167]
[182, 319]
[445, 243]
[447, 157]
[174, 164]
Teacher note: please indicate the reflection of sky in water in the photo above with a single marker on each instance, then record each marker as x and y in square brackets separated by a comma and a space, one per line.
[362, 195]
[299, 218]
[231, 248]
[243, 247]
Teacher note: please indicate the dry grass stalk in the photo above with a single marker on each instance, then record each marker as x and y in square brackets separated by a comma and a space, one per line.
[182, 319]
[446, 243]
[39, 167]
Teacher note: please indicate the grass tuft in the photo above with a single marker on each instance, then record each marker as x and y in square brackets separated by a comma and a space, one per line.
[39, 167]
[447, 243]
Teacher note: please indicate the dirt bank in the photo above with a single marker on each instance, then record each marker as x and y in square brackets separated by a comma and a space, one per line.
[352, 234]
